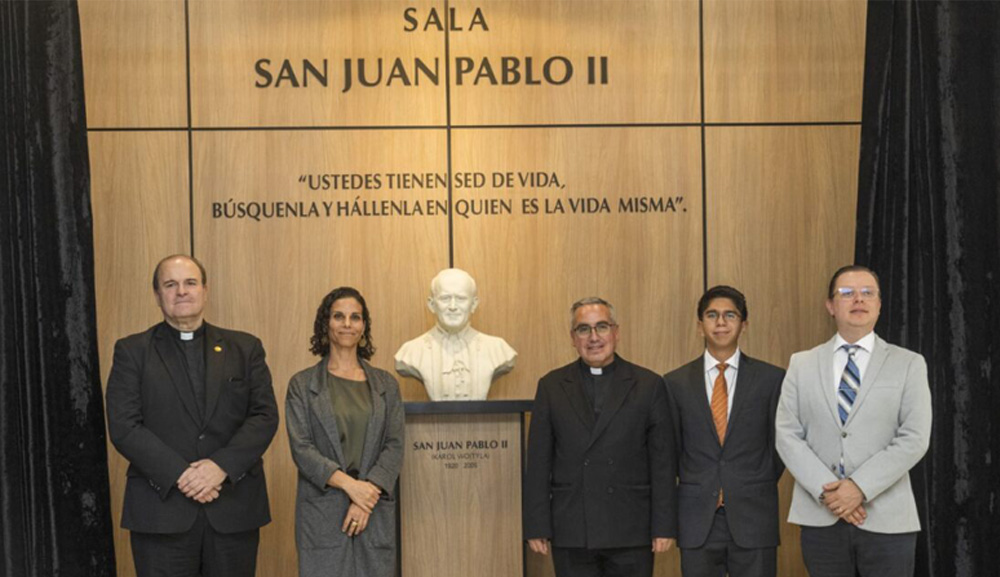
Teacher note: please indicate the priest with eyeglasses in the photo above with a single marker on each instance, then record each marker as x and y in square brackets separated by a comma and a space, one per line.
[600, 491]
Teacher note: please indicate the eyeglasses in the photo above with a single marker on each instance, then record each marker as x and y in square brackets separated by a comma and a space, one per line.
[729, 316]
[848, 294]
[602, 329]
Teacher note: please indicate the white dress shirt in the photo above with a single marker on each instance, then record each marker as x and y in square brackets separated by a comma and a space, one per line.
[861, 357]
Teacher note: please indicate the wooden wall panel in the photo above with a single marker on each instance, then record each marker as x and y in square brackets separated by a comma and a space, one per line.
[269, 276]
[780, 221]
[784, 60]
[532, 267]
[462, 517]
[228, 37]
[137, 184]
[133, 62]
[777, 229]
[651, 47]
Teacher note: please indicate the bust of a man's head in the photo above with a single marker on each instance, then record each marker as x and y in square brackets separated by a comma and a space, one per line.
[453, 299]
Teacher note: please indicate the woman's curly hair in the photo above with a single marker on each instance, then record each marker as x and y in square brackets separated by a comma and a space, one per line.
[320, 341]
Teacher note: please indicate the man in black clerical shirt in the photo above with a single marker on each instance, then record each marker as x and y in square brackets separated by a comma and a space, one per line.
[191, 407]
[600, 485]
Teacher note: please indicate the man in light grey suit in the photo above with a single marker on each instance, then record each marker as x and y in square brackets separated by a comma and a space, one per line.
[853, 418]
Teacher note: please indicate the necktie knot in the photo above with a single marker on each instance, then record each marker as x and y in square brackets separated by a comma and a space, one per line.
[722, 367]
[851, 349]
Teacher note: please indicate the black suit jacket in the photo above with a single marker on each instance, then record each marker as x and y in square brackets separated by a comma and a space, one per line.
[154, 422]
[747, 467]
[604, 483]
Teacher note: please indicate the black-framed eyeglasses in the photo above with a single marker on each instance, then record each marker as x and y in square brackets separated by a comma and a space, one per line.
[728, 316]
[602, 329]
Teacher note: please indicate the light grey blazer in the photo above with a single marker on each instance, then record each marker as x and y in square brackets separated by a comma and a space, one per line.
[887, 432]
[319, 509]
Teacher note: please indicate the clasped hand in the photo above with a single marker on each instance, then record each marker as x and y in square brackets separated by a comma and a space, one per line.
[663, 544]
[363, 494]
[202, 481]
[843, 498]
[355, 521]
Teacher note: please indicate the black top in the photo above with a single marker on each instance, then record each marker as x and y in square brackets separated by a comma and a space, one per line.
[193, 353]
[596, 386]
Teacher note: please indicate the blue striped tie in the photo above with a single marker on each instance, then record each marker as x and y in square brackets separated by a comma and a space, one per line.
[850, 384]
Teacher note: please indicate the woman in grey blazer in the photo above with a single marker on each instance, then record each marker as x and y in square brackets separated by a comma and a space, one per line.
[345, 428]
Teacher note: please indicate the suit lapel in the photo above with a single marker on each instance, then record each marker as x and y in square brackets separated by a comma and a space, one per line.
[573, 386]
[745, 377]
[216, 351]
[170, 356]
[695, 380]
[623, 382]
[322, 407]
[826, 377]
[875, 363]
[376, 422]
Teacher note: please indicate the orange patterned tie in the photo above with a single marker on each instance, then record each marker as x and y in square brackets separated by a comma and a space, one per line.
[720, 410]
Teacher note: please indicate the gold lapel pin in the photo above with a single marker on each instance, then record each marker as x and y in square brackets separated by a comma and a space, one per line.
[218, 349]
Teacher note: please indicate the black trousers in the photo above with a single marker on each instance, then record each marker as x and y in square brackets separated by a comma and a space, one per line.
[199, 552]
[624, 562]
[720, 555]
[843, 550]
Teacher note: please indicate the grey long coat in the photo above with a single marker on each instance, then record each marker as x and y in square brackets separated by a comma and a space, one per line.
[319, 509]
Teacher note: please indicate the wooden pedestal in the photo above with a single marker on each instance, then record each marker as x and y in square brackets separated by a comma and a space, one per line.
[460, 489]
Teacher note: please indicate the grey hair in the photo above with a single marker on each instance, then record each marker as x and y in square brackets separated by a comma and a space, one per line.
[591, 301]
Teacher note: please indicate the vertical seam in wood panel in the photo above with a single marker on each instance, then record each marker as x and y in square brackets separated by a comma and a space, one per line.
[704, 175]
[190, 134]
[447, 104]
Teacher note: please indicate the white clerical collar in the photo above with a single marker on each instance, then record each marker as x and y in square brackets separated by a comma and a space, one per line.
[605, 370]
[187, 335]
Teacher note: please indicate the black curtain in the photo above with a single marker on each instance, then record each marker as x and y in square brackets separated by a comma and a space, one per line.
[929, 224]
[55, 516]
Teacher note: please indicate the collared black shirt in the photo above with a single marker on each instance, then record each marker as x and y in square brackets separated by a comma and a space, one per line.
[596, 386]
[193, 354]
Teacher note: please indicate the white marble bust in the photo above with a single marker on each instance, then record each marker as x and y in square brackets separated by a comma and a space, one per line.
[455, 361]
